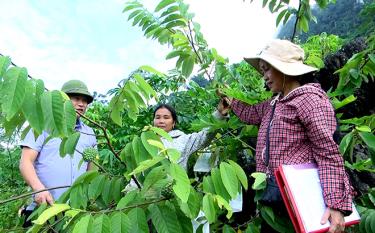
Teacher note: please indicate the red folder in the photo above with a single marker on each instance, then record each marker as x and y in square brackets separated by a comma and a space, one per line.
[289, 197]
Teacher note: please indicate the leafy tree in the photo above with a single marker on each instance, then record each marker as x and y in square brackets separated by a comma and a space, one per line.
[169, 197]
[342, 18]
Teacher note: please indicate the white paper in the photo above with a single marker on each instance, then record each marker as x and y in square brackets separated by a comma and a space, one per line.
[308, 196]
[236, 203]
[203, 163]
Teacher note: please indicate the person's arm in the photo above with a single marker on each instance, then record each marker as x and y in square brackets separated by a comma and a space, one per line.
[250, 114]
[28, 172]
[201, 139]
[317, 115]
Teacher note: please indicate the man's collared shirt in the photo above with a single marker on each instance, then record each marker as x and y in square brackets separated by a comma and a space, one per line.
[54, 170]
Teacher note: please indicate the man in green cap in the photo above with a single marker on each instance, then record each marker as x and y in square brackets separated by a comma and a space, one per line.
[41, 165]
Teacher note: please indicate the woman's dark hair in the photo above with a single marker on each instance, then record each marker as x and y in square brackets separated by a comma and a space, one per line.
[170, 109]
[307, 78]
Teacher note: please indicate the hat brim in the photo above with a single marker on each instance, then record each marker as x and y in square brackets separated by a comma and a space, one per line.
[288, 68]
[90, 98]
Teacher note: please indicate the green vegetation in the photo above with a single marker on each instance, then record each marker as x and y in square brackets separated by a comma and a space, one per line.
[345, 18]
[130, 149]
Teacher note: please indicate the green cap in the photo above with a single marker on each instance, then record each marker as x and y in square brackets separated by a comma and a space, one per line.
[77, 87]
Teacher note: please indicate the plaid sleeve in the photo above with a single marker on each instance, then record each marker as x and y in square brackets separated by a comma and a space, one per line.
[317, 115]
[250, 114]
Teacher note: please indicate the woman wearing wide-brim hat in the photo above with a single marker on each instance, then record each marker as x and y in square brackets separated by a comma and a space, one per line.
[297, 125]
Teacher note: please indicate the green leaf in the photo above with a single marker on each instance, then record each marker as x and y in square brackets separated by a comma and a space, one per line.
[164, 219]
[223, 203]
[280, 16]
[144, 86]
[78, 197]
[208, 185]
[140, 152]
[192, 206]
[4, 64]
[86, 177]
[150, 148]
[135, 90]
[161, 132]
[169, 11]
[53, 112]
[71, 143]
[228, 229]
[32, 109]
[188, 65]
[83, 225]
[153, 176]
[156, 143]
[240, 173]
[174, 54]
[50, 212]
[70, 117]
[218, 184]
[96, 187]
[14, 124]
[117, 186]
[172, 17]
[287, 15]
[13, 91]
[129, 197]
[345, 143]
[176, 23]
[132, 106]
[138, 221]
[339, 104]
[303, 24]
[370, 221]
[101, 224]
[116, 106]
[173, 154]
[182, 186]
[369, 139]
[163, 4]
[127, 156]
[151, 70]
[229, 177]
[120, 223]
[131, 5]
[144, 165]
[107, 192]
[260, 180]
[209, 208]
[279, 223]
[363, 128]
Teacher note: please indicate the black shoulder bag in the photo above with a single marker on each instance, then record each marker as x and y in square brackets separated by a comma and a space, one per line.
[271, 194]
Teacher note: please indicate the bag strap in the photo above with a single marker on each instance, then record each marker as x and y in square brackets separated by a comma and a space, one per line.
[267, 152]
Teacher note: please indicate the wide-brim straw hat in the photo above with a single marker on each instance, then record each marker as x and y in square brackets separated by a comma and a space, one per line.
[284, 56]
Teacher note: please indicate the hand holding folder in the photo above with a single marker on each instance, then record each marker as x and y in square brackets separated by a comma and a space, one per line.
[302, 194]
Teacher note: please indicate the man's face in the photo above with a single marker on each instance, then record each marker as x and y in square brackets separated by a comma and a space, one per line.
[79, 103]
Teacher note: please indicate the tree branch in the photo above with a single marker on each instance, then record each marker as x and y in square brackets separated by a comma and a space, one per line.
[191, 40]
[31, 193]
[295, 24]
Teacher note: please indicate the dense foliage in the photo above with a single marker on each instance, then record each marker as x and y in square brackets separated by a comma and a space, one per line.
[169, 197]
[345, 18]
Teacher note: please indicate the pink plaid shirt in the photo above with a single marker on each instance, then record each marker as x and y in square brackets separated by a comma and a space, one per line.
[301, 132]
